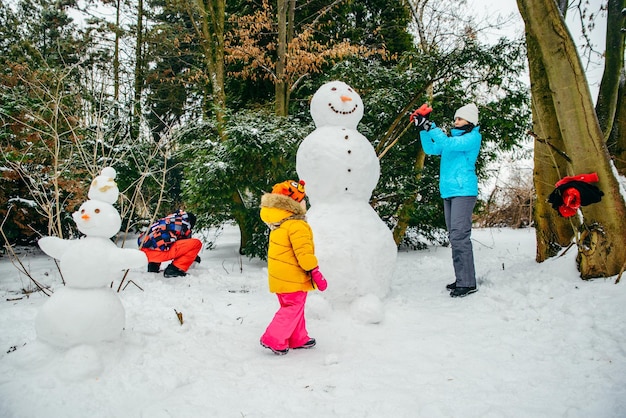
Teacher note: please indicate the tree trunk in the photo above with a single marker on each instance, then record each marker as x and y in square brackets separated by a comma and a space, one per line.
[211, 33]
[116, 54]
[606, 105]
[239, 213]
[281, 84]
[602, 245]
[404, 211]
[209, 29]
[552, 231]
[617, 139]
[139, 78]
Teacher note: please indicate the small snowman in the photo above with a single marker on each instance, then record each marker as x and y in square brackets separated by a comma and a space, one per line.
[355, 248]
[86, 310]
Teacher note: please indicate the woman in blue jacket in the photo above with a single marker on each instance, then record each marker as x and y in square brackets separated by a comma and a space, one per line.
[458, 185]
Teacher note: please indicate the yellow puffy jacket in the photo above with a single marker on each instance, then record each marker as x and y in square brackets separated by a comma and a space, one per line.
[291, 252]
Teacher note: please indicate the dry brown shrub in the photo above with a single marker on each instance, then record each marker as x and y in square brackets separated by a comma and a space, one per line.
[510, 206]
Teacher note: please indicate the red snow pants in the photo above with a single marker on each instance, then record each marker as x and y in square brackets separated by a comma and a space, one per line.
[288, 328]
[182, 253]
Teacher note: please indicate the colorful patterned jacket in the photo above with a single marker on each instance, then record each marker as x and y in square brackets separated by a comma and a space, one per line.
[164, 232]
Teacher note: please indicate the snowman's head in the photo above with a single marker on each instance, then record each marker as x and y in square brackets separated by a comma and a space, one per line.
[96, 218]
[336, 104]
[103, 187]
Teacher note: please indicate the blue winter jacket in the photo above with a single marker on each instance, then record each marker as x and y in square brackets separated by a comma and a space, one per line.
[457, 170]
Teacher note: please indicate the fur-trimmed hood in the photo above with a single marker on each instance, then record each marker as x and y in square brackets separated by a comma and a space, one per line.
[271, 200]
[276, 208]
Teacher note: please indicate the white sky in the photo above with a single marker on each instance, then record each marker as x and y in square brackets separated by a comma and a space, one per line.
[509, 7]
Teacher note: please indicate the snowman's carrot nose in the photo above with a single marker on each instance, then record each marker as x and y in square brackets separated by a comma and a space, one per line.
[85, 216]
[346, 98]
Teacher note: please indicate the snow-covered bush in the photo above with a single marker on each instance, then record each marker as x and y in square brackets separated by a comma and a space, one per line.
[224, 181]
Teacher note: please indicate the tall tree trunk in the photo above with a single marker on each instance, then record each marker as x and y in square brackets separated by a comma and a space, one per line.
[239, 213]
[210, 31]
[405, 209]
[606, 105]
[602, 244]
[281, 85]
[617, 139]
[116, 53]
[552, 231]
[139, 73]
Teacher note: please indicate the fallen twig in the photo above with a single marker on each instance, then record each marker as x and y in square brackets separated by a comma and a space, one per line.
[122, 282]
[571, 244]
[179, 315]
[131, 281]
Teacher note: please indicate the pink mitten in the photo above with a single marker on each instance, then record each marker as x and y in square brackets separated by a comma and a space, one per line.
[318, 279]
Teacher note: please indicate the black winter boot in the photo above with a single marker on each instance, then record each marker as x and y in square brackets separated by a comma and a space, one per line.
[154, 267]
[173, 271]
[461, 292]
[309, 344]
[451, 286]
[277, 352]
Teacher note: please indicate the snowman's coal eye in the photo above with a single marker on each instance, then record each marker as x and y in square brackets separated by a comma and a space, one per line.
[333, 89]
[82, 211]
[97, 210]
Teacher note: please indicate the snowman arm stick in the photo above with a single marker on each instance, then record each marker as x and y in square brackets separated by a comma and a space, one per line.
[388, 147]
[122, 281]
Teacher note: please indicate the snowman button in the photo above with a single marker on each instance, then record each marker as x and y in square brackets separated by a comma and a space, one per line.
[349, 170]
[349, 151]
[346, 137]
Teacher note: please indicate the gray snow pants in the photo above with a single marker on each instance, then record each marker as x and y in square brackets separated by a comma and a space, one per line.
[458, 214]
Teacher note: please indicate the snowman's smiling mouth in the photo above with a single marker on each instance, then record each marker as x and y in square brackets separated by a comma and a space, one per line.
[343, 112]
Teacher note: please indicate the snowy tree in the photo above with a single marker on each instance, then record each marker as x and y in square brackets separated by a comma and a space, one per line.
[567, 104]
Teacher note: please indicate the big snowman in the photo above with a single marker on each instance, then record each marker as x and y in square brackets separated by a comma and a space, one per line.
[355, 248]
[86, 310]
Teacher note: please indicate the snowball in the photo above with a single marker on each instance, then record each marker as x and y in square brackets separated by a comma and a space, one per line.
[336, 104]
[103, 187]
[337, 164]
[80, 316]
[81, 362]
[108, 172]
[96, 218]
[368, 310]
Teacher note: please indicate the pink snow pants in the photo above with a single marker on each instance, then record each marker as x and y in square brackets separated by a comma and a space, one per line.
[287, 329]
[182, 253]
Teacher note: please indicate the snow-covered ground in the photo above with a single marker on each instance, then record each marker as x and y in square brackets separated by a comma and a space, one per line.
[535, 341]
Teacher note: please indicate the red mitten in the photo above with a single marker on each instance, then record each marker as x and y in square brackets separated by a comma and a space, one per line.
[319, 279]
[571, 202]
[423, 110]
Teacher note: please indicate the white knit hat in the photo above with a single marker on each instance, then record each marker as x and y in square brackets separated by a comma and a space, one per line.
[468, 112]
